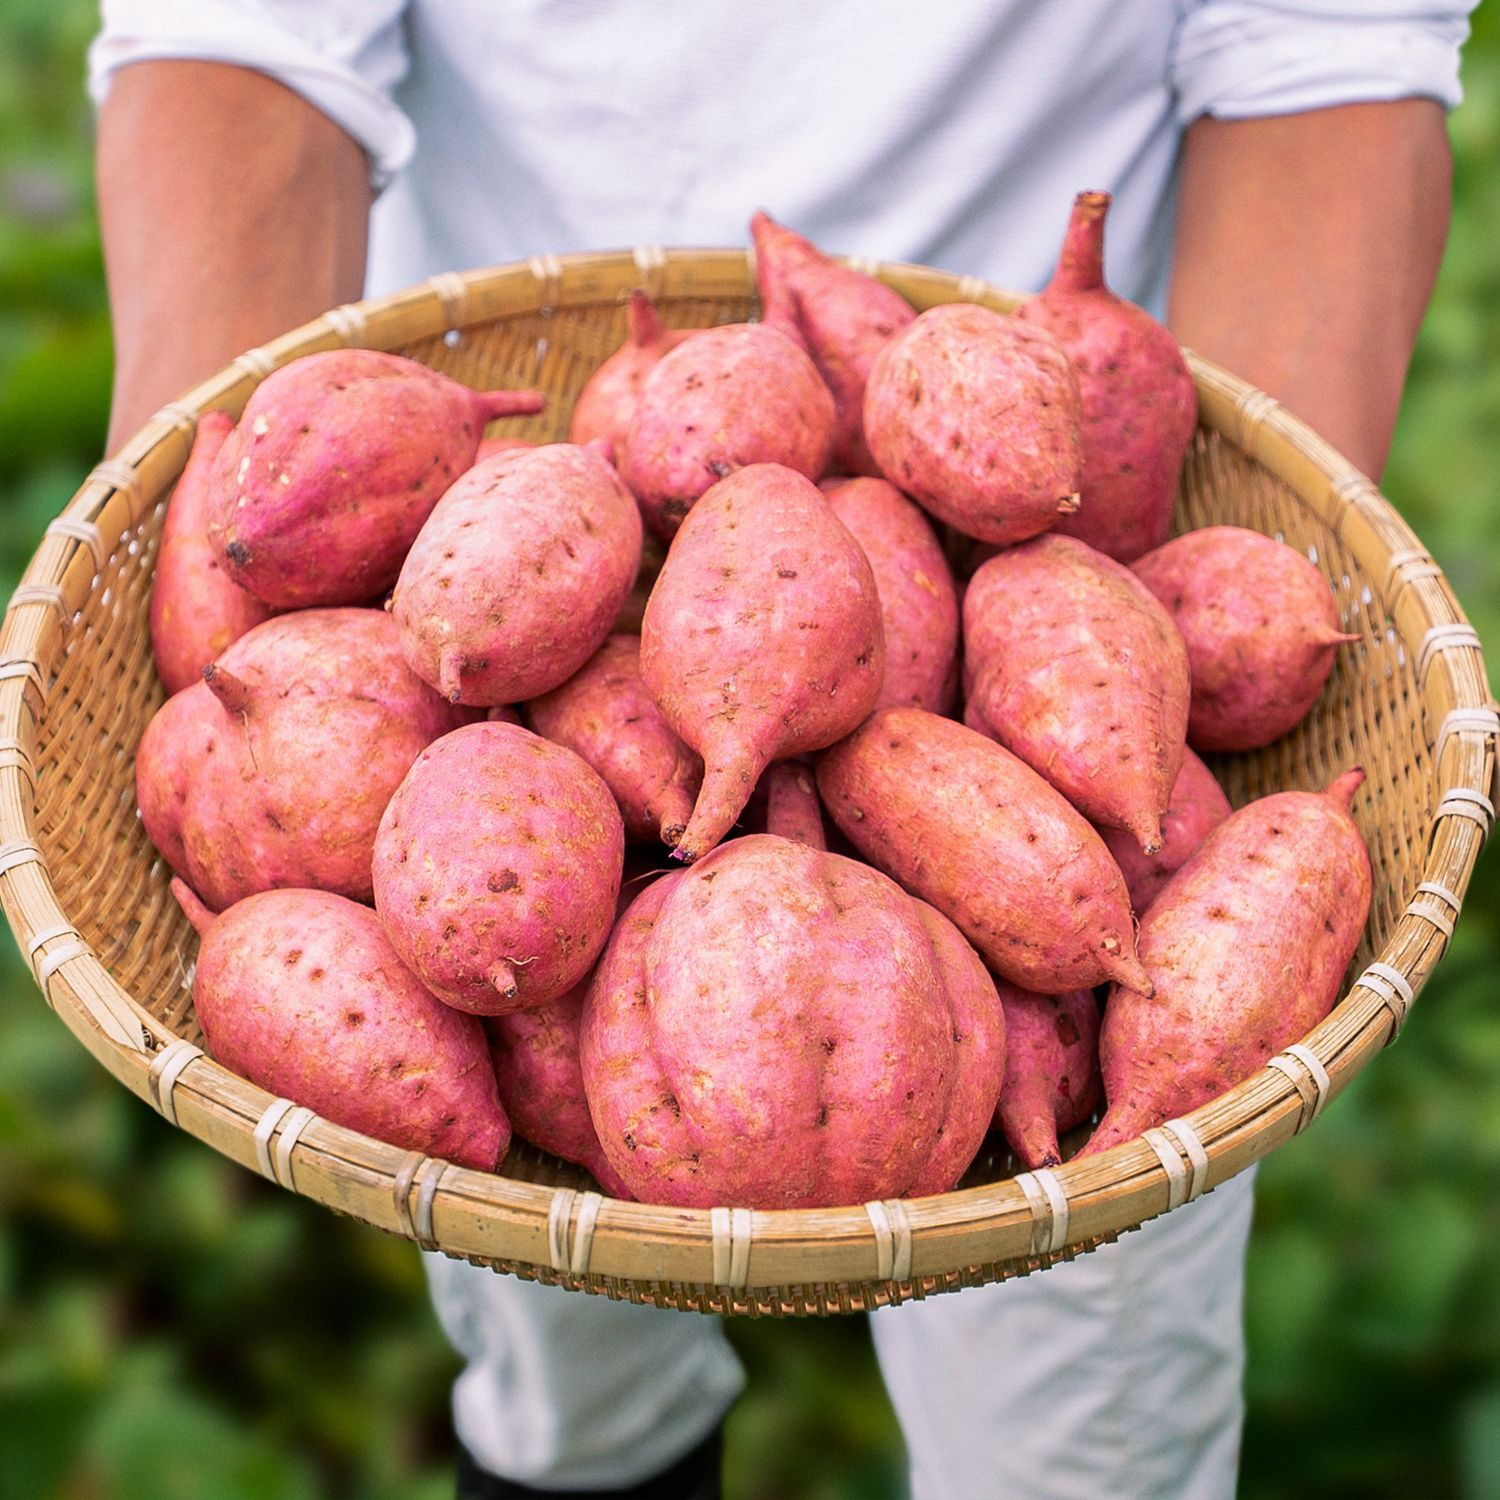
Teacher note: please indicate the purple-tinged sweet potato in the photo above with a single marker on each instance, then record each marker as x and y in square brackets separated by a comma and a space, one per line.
[197, 610]
[518, 575]
[274, 769]
[792, 807]
[726, 398]
[604, 713]
[300, 992]
[1139, 404]
[762, 637]
[607, 402]
[1197, 807]
[918, 599]
[337, 461]
[968, 827]
[1247, 946]
[1261, 626]
[1051, 1070]
[496, 868]
[779, 1028]
[846, 318]
[977, 416]
[1076, 668]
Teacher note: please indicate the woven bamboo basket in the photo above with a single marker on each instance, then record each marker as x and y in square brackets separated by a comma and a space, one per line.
[87, 897]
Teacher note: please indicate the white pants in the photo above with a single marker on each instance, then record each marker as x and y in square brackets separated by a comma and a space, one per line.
[1117, 1375]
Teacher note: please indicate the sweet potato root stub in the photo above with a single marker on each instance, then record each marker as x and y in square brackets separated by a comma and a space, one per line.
[300, 992]
[518, 575]
[824, 1065]
[762, 638]
[965, 825]
[338, 459]
[496, 868]
[275, 769]
[1051, 1070]
[918, 599]
[1261, 627]
[845, 317]
[1247, 946]
[1139, 405]
[977, 416]
[604, 713]
[728, 397]
[1074, 666]
[197, 610]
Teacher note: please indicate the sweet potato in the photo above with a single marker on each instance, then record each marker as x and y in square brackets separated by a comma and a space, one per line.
[1139, 404]
[762, 638]
[1197, 807]
[197, 610]
[337, 461]
[845, 317]
[275, 768]
[1247, 946]
[1261, 627]
[728, 397]
[918, 599]
[607, 402]
[777, 1028]
[496, 868]
[965, 825]
[517, 577]
[604, 713]
[977, 416]
[1051, 1070]
[300, 992]
[1076, 668]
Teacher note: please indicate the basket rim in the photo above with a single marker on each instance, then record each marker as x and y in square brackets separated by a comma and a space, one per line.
[732, 1260]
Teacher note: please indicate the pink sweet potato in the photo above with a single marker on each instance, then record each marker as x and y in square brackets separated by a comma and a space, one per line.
[604, 713]
[728, 397]
[197, 610]
[607, 402]
[300, 992]
[1076, 668]
[517, 577]
[845, 317]
[1261, 627]
[1139, 405]
[1051, 1070]
[792, 807]
[274, 770]
[762, 638]
[918, 599]
[1197, 807]
[965, 825]
[1247, 947]
[977, 416]
[338, 459]
[496, 868]
[775, 1028]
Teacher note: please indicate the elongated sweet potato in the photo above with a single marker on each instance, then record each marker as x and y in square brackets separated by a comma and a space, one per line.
[762, 637]
[300, 992]
[965, 825]
[1247, 947]
[778, 1028]
[607, 402]
[1051, 1070]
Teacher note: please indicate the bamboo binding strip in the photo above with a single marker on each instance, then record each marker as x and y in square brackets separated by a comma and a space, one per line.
[87, 897]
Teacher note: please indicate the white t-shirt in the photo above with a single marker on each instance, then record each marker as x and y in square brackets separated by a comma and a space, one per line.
[954, 134]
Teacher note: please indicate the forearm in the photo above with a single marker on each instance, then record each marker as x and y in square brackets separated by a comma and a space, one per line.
[1307, 249]
[232, 211]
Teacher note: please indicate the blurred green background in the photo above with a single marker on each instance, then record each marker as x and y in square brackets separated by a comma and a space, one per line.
[171, 1326]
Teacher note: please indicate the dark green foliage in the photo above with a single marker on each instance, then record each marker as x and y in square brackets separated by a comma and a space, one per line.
[173, 1328]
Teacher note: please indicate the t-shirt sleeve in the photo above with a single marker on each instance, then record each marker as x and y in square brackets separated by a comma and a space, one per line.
[345, 57]
[1236, 59]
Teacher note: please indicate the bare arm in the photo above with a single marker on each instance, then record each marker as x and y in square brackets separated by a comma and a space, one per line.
[1307, 249]
[232, 211]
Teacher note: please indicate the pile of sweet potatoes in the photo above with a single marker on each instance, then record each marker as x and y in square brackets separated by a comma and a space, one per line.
[469, 850]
